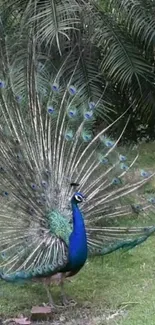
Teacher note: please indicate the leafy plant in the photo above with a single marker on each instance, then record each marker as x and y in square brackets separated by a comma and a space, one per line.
[109, 42]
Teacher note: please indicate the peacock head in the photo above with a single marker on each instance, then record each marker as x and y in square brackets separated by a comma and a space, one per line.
[78, 197]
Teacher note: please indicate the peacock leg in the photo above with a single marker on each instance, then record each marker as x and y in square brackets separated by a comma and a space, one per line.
[51, 302]
[65, 300]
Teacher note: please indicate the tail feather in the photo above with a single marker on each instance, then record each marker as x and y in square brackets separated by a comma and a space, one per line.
[47, 142]
[23, 276]
[115, 242]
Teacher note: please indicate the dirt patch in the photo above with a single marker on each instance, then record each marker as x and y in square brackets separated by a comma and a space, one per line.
[80, 316]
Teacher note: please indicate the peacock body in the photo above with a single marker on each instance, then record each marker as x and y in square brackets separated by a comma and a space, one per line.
[47, 150]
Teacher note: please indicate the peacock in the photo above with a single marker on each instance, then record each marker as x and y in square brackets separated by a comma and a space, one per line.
[62, 184]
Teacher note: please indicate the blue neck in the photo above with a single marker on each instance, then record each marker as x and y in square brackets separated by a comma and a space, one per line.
[78, 222]
[77, 240]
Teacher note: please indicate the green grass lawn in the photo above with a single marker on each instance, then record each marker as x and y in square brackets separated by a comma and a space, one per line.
[117, 289]
[120, 284]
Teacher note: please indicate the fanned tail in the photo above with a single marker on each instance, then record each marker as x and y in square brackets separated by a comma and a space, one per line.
[47, 143]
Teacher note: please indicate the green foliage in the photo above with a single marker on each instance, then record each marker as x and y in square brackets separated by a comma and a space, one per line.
[111, 44]
[130, 40]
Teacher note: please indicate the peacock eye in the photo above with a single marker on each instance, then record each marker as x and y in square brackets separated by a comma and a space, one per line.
[78, 198]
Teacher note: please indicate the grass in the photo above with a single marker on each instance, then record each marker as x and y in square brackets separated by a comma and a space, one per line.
[117, 289]
[118, 282]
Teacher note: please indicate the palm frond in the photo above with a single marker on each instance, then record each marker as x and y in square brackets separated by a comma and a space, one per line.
[145, 103]
[122, 61]
[52, 20]
[137, 17]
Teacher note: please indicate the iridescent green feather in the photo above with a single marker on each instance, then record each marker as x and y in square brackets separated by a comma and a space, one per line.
[59, 226]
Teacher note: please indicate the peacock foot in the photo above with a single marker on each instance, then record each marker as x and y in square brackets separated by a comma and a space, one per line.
[50, 304]
[53, 306]
[67, 301]
[50, 299]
